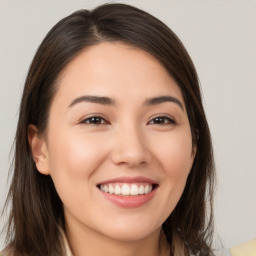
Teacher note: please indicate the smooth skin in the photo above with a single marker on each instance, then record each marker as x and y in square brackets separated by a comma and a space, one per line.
[88, 142]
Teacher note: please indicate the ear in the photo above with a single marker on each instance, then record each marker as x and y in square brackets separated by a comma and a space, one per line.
[39, 150]
[194, 150]
[193, 155]
[194, 146]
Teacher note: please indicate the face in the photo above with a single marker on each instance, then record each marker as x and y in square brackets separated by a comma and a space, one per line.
[118, 144]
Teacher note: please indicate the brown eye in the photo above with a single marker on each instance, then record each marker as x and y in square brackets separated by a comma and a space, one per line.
[94, 120]
[162, 120]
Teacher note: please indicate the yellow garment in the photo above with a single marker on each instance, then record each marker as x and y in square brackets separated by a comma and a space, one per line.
[246, 249]
[66, 245]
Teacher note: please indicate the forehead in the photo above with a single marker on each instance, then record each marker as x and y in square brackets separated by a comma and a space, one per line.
[117, 70]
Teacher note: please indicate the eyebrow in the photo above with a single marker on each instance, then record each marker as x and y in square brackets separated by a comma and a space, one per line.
[162, 99]
[93, 99]
[108, 101]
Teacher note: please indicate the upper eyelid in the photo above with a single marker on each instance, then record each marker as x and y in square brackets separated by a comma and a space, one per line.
[84, 119]
[163, 115]
[98, 115]
[90, 115]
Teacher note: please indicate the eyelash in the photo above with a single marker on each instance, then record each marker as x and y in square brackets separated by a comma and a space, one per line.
[159, 120]
[94, 120]
[164, 120]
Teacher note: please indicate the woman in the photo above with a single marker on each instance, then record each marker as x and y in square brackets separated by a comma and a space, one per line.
[113, 150]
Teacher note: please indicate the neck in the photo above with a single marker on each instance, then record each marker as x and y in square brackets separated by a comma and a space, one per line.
[84, 242]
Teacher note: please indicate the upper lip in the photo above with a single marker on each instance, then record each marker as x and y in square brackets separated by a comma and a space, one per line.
[126, 179]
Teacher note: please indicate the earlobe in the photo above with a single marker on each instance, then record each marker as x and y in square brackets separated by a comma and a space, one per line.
[38, 150]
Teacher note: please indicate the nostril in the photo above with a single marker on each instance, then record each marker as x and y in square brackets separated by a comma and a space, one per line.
[131, 151]
[131, 160]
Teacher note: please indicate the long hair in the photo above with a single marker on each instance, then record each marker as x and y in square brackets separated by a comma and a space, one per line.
[36, 209]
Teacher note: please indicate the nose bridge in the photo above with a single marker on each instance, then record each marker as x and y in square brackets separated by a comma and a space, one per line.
[130, 146]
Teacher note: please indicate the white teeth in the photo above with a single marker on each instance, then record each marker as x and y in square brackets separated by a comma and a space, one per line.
[141, 190]
[111, 190]
[147, 189]
[134, 190]
[106, 188]
[126, 189]
[118, 190]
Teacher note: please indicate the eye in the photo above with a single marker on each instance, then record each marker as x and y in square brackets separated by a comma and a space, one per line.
[162, 120]
[94, 120]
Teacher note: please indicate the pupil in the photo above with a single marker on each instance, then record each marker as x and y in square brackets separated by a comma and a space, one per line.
[95, 120]
[159, 120]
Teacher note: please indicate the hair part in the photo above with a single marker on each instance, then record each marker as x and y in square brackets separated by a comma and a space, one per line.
[36, 209]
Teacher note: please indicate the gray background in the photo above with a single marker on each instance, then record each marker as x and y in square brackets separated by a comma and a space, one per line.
[220, 36]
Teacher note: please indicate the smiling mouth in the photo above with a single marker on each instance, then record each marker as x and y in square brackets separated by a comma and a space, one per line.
[127, 189]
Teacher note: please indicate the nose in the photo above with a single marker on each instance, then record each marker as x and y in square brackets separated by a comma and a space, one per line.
[130, 148]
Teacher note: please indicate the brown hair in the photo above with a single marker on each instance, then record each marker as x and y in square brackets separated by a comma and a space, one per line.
[36, 209]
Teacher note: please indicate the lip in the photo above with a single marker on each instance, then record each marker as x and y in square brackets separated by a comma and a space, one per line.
[129, 201]
[138, 179]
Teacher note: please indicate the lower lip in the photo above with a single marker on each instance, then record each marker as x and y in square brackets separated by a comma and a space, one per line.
[129, 201]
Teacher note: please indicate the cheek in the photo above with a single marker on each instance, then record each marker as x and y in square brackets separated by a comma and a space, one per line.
[72, 151]
[176, 159]
[73, 158]
[175, 154]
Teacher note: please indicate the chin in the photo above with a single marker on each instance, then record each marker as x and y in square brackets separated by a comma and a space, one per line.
[133, 231]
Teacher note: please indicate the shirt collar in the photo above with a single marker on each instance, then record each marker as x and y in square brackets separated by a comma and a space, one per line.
[65, 243]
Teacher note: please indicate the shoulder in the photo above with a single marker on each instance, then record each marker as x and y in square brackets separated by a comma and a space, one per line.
[7, 252]
[246, 249]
